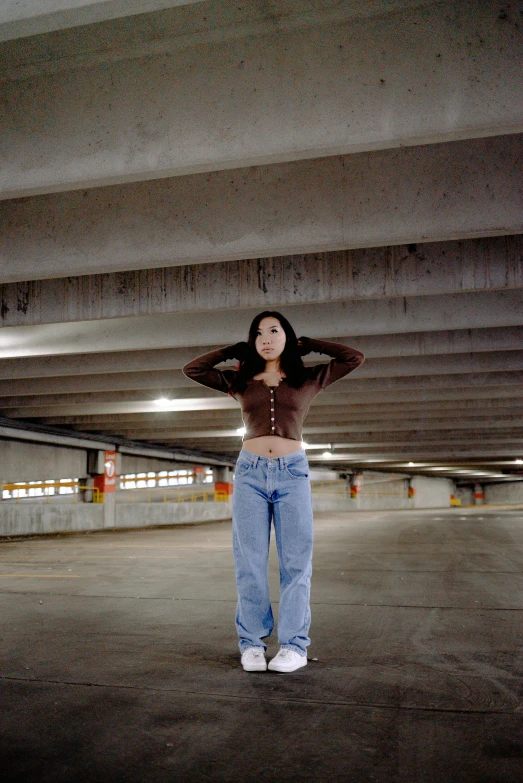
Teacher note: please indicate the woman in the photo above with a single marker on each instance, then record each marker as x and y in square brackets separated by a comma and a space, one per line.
[271, 480]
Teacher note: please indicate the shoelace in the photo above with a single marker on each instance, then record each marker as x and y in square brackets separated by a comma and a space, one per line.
[285, 653]
[256, 653]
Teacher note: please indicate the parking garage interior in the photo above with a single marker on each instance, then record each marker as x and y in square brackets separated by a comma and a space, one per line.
[169, 170]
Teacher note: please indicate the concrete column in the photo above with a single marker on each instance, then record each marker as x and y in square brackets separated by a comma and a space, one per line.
[222, 475]
[478, 495]
[356, 485]
[104, 467]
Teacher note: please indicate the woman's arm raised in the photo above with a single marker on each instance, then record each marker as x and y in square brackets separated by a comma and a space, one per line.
[203, 368]
[344, 359]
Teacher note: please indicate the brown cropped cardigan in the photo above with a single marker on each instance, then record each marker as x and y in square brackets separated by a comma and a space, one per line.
[276, 410]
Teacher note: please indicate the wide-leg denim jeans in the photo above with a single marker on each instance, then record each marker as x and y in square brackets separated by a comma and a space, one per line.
[273, 489]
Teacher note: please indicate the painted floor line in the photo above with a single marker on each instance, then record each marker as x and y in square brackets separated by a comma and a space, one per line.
[42, 576]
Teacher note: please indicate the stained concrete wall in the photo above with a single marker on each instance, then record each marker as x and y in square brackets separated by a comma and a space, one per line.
[386, 495]
[507, 492]
[26, 519]
[432, 492]
[145, 515]
[37, 518]
[20, 461]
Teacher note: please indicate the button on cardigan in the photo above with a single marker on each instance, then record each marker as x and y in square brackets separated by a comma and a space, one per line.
[276, 410]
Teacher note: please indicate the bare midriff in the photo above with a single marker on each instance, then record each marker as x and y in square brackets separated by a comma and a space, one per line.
[272, 446]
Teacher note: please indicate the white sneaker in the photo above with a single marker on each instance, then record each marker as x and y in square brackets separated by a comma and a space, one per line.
[287, 661]
[253, 660]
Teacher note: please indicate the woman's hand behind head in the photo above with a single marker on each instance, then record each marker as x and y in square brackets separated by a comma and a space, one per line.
[303, 346]
[239, 351]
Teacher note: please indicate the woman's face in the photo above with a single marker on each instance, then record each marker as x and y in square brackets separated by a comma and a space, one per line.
[270, 339]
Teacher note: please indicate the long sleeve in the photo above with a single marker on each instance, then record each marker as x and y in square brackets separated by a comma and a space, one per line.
[344, 360]
[203, 370]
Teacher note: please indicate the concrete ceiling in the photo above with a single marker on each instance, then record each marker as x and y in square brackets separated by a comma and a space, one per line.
[172, 168]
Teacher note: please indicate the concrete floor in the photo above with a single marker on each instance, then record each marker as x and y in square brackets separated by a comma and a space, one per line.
[119, 659]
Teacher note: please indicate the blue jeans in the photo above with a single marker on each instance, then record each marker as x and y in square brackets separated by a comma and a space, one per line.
[273, 489]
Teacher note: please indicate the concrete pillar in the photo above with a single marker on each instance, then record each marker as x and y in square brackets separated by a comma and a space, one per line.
[199, 474]
[104, 467]
[356, 485]
[478, 495]
[222, 474]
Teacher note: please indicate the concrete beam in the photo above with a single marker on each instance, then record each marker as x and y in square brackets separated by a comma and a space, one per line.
[114, 396]
[361, 445]
[471, 387]
[193, 404]
[496, 361]
[373, 346]
[493, 263]
[15, 433]
[27, 432]
[451, 454]
[490, 309]
[214, 438]
[345, 392]
[467, 409]
[34, 17]
[260, 85]
[458, 190]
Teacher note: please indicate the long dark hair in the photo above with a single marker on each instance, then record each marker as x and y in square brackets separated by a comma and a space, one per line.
[290, 360]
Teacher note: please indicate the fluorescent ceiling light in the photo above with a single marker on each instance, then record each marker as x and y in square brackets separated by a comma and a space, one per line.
[241, 430]
[327, 454]
[162, 402]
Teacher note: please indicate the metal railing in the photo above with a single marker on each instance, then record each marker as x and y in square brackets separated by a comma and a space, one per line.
[163, 495]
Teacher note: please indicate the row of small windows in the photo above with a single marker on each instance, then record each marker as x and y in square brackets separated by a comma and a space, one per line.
[171, 478]
[38, 489]
[165, 478]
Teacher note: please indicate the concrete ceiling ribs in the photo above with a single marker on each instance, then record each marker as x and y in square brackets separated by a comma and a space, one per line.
[397, 315]
[443, 342]
[457, 190]
[172, 168]
[399, 271]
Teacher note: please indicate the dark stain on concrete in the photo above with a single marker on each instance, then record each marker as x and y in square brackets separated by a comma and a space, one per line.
[260, 270]
[22, 304]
